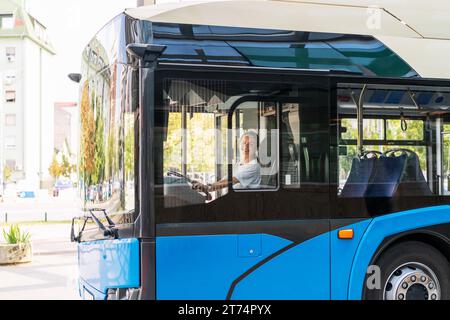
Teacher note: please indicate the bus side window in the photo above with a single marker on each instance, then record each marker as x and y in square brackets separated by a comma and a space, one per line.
[290, 146]
[255, 146]
[400, 151]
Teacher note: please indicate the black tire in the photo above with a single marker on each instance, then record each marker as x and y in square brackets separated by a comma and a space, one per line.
[406, 252]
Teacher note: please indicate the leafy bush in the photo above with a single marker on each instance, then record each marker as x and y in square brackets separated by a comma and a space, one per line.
[15, 235]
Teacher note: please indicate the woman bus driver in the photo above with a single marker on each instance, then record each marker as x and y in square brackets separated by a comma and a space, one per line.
[246, 173]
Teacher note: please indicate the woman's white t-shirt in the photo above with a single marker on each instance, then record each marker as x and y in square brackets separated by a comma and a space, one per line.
[248, 174]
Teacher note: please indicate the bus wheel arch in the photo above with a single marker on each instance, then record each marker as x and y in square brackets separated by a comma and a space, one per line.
[433, 239]
[426, 251]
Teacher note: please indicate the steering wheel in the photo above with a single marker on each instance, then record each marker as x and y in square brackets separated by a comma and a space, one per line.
[177, 174]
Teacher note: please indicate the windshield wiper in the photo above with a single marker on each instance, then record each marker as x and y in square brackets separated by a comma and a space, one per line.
[108, 231]
[77, 238]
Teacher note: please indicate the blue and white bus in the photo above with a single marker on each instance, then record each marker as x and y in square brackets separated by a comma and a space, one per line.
[264, 150]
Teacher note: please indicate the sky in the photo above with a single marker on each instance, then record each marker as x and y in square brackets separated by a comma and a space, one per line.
[70, 25]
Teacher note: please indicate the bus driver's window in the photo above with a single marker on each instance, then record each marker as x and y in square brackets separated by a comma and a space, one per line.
[255, 146]
[252, 151]
[247, 171]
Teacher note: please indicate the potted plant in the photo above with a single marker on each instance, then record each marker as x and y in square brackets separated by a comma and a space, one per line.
[17, 247]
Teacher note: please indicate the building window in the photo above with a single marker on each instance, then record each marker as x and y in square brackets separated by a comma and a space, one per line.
[10, 120]
[10, 143]
[11, 54]
[10, 78]
[10, 95]
[6, 21]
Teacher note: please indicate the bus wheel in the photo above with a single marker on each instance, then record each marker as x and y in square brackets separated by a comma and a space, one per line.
[412, 270]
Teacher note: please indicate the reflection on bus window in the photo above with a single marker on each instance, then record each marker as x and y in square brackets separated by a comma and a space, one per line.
[194, 146]
[222, 142]
[107, 144]
[446, 159]
[196, 152]
[290, 146]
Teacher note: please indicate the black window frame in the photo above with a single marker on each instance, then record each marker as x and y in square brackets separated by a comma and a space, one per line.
[230, 125]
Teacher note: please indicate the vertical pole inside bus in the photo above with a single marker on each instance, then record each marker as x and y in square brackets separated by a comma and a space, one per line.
[360, 120]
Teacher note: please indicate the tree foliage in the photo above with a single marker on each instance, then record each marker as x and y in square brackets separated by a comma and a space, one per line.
[55, 168]
[87, 143]
[200, 142]
[63, 168]
[129, 145]
[7, 173]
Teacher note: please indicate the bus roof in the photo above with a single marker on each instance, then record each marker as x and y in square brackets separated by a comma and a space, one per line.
[404, 26]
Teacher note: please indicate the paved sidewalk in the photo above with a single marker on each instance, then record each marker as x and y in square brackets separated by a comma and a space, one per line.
[52, 274]
[41, 208]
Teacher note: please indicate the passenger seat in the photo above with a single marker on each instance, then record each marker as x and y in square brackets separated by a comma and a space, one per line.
[413, 182]
[358, 179]
[387, 174]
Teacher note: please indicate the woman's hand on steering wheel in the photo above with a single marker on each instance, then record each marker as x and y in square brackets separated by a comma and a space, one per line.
[196, 185]
[203, 188]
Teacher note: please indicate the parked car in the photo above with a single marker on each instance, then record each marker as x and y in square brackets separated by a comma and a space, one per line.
[26, 194]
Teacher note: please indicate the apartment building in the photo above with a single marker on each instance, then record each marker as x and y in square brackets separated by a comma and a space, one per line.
[26, 101]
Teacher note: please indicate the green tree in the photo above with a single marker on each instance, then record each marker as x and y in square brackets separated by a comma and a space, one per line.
[99, 148]
[86, 163]
[7, 173]
[55, 168]
[66, 168]
[129, 146]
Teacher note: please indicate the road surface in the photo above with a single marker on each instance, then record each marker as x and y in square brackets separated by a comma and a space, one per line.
[52, 274]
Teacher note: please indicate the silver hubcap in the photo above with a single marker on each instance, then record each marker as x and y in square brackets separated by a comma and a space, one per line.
[412, 281]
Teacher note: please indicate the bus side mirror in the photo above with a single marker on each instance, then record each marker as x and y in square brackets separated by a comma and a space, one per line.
[148, 53]
[75, 77]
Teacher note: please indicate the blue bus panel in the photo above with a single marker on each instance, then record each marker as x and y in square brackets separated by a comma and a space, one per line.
[205, 267]
[109, 264]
